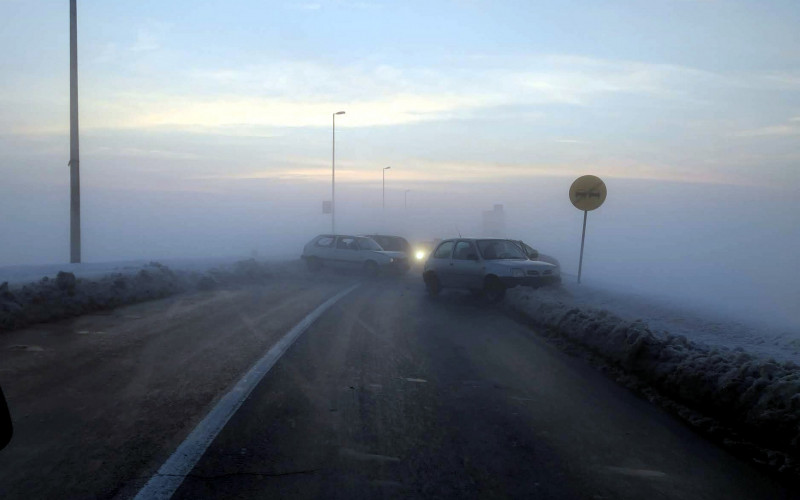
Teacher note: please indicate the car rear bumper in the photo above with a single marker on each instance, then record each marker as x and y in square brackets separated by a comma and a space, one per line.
[532, 281]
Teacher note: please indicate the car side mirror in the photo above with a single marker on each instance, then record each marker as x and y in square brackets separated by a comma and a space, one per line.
[6, 428]
[533, 254]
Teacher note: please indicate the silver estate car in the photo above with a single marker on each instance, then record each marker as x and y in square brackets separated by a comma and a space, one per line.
[485, 265]
[354, 252]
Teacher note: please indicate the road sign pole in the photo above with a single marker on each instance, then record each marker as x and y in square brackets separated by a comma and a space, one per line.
[587, 192]
[583, 238]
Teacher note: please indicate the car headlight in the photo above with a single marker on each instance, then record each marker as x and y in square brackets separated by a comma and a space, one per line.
[517, 273]
[419, 255]
[391, 260]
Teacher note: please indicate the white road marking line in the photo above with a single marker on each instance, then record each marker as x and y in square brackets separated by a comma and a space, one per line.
[171, 474]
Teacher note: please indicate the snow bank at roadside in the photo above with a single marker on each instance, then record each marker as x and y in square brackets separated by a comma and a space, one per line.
[760, 334]
[66, 295]
[24, 274]
[757, 397]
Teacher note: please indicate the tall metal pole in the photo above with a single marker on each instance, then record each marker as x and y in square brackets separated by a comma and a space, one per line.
[405, 200]
[74, 161]
[333, 174]
[383, 199]
[333, 178]
[583, 237]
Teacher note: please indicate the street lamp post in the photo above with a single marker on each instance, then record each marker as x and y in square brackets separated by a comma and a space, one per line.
[383, 200]
[333, 174]
[405, 200]
[74, 162]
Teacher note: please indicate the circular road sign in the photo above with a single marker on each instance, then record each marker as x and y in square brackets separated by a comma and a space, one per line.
[587, 192]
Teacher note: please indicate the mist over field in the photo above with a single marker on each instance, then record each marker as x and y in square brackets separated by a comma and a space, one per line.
[209, 134]
[730, 247]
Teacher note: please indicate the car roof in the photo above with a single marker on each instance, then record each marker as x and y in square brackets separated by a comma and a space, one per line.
[384, 236]
[478, 238]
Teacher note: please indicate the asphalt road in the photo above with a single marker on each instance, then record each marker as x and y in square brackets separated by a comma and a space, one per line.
[100, 400]
[392, 395]
[389, 394]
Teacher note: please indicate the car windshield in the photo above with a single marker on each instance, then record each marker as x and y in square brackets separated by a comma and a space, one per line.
[500, 250]
[527, 248]
[368, 244]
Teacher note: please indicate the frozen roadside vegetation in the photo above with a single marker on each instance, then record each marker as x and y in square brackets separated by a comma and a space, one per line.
[66, 295]
[761, 334]
[741, 396]
[24, 274]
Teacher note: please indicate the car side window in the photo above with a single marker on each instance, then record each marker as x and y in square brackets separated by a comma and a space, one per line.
[444, 251]
[325, 241]
[465, 250]
[347, 243]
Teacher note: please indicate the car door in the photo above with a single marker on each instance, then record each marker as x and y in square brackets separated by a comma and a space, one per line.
[366, 251]
[323, 248]
[347, 254]
[466, 267]
[441, 263]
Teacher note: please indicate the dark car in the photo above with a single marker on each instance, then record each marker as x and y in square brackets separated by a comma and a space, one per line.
[392, 243]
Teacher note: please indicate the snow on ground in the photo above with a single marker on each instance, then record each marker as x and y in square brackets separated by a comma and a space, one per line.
[36, 294]
[726, 371]
[698, 323]
[15, 275]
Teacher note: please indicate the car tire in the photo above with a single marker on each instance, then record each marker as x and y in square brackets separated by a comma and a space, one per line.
[371, 268]
[494, 290]
[432, 285]
[313, 264]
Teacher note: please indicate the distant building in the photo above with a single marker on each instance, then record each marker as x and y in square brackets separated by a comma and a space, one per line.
[494, 222]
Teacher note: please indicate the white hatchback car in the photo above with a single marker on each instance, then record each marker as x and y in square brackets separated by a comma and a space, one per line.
[354, 252]
[485, 265]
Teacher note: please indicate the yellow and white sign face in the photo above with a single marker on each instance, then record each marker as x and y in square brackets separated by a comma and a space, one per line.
[587, 192]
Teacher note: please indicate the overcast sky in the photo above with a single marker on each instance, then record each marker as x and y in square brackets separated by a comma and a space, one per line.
[695, 91]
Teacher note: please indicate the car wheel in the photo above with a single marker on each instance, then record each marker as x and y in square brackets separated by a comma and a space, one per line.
[371, 268]
[432, 285]
[313, 263]
[494, 290]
